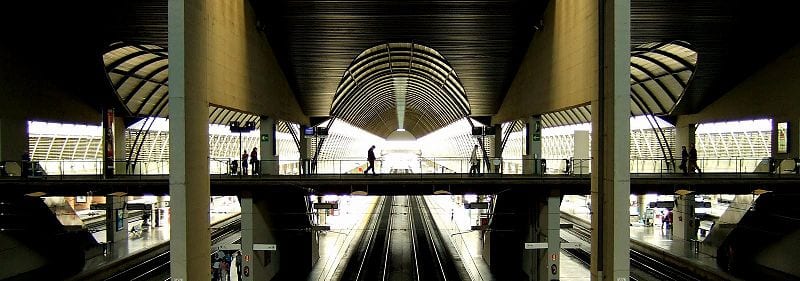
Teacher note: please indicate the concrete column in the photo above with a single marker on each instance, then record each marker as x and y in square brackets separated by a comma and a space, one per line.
[580, 152]
[269, 149]
[13, 139]
[543, 217]
[120, 153]
[116, 219]
[497, 153]
[255, 230]
[553, 271]
[304, 150]
[611, 146]
[189, 185]
[683, 225]
[684, 135]
[533, 152]
[642, 207]
[109, 151]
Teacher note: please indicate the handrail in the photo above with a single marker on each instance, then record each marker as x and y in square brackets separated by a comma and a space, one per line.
[221, 167]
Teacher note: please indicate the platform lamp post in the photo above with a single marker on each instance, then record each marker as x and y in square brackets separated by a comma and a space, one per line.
[236, 127]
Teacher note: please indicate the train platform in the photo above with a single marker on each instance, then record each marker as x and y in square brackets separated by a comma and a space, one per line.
[346, 223]
[659, 241]
[456, 221]
[140, 240]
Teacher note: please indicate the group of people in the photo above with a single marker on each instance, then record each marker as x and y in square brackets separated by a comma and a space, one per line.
[226, 264]
[689, 160]
[253, 156]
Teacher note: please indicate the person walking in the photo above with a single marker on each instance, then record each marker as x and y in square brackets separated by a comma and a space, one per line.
[245, 163]
[254, 161]
[684, 159]
[473, 161]
[693, 160]
[371, 160]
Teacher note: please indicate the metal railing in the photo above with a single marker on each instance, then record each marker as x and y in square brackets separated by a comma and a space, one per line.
[225, 167]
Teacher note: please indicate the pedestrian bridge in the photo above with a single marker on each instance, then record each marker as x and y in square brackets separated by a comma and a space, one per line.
[393, 184]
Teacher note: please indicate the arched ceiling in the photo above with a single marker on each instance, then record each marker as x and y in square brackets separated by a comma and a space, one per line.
[404, 86]
[316, 40]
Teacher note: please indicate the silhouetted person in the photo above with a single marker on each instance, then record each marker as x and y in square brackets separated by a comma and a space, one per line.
[473, 161]
[684, 159]
[26, 164]
[254, 161]
[693, 160]
[245, 163]
[371, 160]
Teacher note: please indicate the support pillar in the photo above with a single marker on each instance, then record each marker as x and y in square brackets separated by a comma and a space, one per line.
[305, 157]
[683, 224]
[13, 142]
[109, 152]
[269, 149]
[116, 219]
[641, 207]
[580, 152]
[684, 135]
[497, 154]
[552, 271]
[255, 230]
[119, 146]
[544, 226]
[189, 184]
[611, 146]
[531, 163]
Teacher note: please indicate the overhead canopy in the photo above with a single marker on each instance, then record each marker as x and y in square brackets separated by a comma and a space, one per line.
[400, 86]
[139, 75]
[660, 75]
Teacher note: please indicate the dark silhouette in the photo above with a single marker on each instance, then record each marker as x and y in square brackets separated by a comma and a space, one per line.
[693, 160]
[473, 161]
[245, 163]
[371, 160]
[684, 159]
[254, 161]
[26, 164]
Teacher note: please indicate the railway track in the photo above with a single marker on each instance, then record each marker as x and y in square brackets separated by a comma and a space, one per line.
[401, 242]
[157, 267]
[643, 267]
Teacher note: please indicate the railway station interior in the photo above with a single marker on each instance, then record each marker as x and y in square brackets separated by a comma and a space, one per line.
[400, 140]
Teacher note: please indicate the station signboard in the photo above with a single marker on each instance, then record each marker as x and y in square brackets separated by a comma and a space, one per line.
[326, 206]
[477, 205]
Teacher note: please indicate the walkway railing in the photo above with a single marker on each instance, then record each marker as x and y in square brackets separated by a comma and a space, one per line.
[223, 167]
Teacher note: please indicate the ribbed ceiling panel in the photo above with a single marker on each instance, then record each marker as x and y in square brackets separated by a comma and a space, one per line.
[433, 92]
[316, 41]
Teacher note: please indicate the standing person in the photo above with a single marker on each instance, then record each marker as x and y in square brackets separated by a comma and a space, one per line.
[254, 161]
[244, 162]
[371, 160]
[473, 161]
[669, 219]
[693, 160]
[684, 158]
[26, 164]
